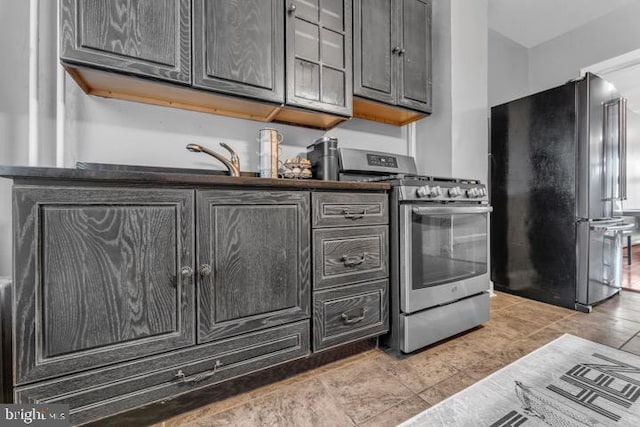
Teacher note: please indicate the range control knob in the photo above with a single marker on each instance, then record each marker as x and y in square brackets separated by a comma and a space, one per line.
[435, 191]
[454, 192]
[423, 191]
[472, 193]
[482, 192]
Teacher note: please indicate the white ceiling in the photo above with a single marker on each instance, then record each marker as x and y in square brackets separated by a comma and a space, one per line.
[531, 22]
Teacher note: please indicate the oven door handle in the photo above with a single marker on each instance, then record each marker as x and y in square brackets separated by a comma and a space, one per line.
[452, 210]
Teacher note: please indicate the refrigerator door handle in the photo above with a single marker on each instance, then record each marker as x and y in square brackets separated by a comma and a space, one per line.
[621, 105]
[606, 228]
[622, 146]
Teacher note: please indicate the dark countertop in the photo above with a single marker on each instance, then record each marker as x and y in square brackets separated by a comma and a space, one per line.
[177, 177]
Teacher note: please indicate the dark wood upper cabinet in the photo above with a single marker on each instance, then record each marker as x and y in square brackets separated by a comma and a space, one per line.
[374, 39]
[239, 47]
[318, 55]
[101, 276]
[253, 260]
[415, 57]
[290, 61]
[144, 37]
[392, 59]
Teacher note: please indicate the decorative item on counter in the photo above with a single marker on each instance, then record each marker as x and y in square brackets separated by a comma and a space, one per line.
[296, 168]
[269, 140]
[323, 155]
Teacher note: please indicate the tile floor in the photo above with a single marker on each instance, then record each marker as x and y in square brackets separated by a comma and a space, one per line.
[377, 389]
[631, 273]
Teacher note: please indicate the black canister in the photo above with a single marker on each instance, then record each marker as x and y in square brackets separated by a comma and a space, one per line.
[323, 155]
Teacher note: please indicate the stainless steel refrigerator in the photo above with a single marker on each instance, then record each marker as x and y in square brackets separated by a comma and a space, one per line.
[558, 175]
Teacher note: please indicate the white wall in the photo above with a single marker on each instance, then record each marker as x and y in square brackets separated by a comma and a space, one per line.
[113, 131]
[469, 93]
[454, 140]
[508, 69]
[559, 60]
[633, 162]
[14, 42]
[433, 135]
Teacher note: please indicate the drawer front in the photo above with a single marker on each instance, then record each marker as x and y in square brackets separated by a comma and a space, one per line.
[348, 255]
[102, 393]
[349, 313]
[349, 209]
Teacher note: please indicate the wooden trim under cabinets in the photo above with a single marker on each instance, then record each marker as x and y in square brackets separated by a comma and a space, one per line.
[108, 84]
[113, 85]
[372, 110]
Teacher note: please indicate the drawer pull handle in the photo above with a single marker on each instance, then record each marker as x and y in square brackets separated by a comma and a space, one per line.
[352, 320]
[352, 261]
[348, 214]
[194, 379]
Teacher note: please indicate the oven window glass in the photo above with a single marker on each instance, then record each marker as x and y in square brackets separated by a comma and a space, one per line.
[447, 248]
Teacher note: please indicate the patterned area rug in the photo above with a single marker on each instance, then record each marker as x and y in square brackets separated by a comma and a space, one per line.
[568, 382]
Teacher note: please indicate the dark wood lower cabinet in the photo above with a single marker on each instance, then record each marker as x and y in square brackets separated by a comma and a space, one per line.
[254, 251]
[100, 393]
[350, 313]
[351, 266]
[99, 276]
[126, 295]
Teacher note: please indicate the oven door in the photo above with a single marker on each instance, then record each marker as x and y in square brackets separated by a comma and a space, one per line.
[443, 254]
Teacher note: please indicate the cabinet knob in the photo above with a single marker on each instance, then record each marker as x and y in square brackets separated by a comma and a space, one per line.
[401, 51]
[186, 272]
[395, 50]
[205, 270]
[292, 8]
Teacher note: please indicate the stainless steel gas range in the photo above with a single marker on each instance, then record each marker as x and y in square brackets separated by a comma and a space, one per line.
[439, 248]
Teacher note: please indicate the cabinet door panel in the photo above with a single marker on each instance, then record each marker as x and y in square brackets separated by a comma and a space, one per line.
[332, 14]
[146, 37]
[307, 9]
[241, 258]
[332, 48]
[334, 86]
[307, 41]
[130, 251]
[318, 55]
[307, 84]
[257, 244]
[98, 276]
[239, 47]
[415, 63]
[374, 74]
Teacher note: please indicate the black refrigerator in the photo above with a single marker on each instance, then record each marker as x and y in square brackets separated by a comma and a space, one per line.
[558, 175]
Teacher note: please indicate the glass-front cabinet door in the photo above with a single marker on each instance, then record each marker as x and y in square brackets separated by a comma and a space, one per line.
[318, 55]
